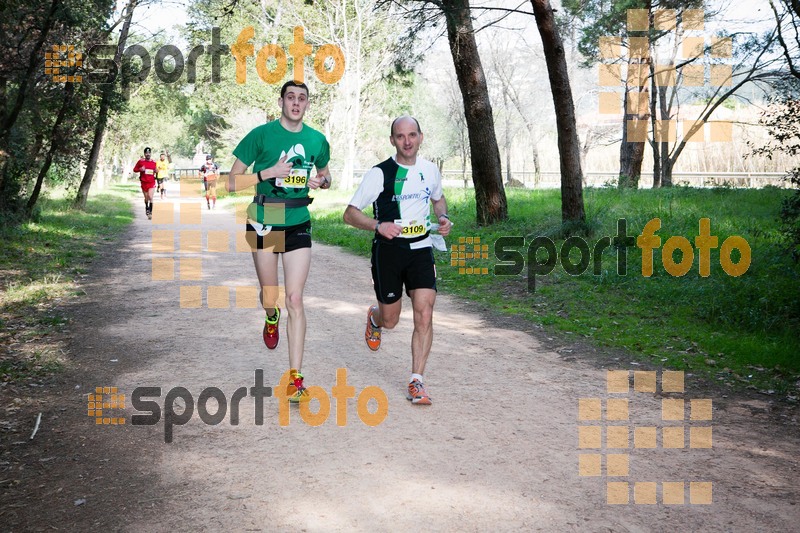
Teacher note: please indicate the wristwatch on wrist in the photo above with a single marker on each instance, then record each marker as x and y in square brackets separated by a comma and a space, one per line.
[378, 225]
[260, 179]
[444, 215]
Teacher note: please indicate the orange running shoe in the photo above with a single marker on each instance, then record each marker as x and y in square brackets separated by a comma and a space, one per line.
[417, 394]
[373, 333]
[295, 390]
[270, 333]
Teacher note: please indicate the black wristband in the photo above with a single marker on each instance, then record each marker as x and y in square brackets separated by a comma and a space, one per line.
[258, 174]
[445, 216]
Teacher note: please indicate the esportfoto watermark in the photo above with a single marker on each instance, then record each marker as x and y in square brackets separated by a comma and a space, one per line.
[97, 66]
[512, 261]
[609, 428]
[149, 410]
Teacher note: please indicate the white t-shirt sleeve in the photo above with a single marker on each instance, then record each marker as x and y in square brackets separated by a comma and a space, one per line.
[369, 189]
[436, 191]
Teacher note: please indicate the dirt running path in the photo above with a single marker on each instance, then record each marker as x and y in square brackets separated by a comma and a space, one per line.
[498, 450]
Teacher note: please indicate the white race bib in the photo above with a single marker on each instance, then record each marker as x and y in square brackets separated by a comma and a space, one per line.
[412, 228]
[297, 179]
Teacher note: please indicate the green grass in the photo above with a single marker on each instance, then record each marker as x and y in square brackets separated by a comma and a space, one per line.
[735, 330]
[39, 263]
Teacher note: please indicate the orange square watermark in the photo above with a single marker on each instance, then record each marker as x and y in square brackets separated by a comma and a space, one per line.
[644, 493]
[191, 241]
[639, 47]
[665, 19]
[666, 130]
[275, 292]
[246, 297]
[672, 492]
[721, 131]
[721, 47]
[617, 381]
[638, 103]
[693, 19]
[218, 241]
[163, 269]
[162, 241]
[191, 188]
[672, 409]
[609, 75]
[191, 297]
[617, 409]
[589, 465]
[609, 103]
[694, 75]
[672, 381]
[219, 297]
[673, 437]
[638, 75]
[610, 47]
[189, 213]
[164, 213]
[693, 47]
[102, 399]
[589, 437]
[617, 437]
[700, 409]
[636, 131]
[665, 75]
[698, 135]
[590, 409]
[700, 437]
[721, 75]
[617, 464]
[644, 381]
[700, 493]
[638, 20]
[644, 437]
[617, 493]
[191, 269]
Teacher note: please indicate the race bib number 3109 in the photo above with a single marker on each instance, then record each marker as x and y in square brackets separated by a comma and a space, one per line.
[411, 228]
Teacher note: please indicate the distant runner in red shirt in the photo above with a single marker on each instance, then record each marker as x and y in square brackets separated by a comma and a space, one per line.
[147, 175]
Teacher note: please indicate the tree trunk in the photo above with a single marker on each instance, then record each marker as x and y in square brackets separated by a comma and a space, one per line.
[102, 117]
[508, 89]
[631, 153]
[10, 118]
[33, 62]
[537, 169]
[69, 90]
[666, 166]
[569, 148]
[656, 165]
[653, 144]
[507, 143]
[490, 197]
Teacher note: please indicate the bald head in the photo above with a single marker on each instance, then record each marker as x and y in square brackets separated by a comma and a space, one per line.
[404, 118]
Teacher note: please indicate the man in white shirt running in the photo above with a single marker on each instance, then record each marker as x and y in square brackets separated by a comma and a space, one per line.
[401, 191]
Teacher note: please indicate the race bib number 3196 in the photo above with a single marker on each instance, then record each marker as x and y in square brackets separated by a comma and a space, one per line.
[297, 179]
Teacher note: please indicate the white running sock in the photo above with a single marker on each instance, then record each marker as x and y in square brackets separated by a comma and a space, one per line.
[417, 377]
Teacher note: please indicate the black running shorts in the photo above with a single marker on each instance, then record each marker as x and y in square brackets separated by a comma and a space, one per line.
[394, 266]
[285, 239]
